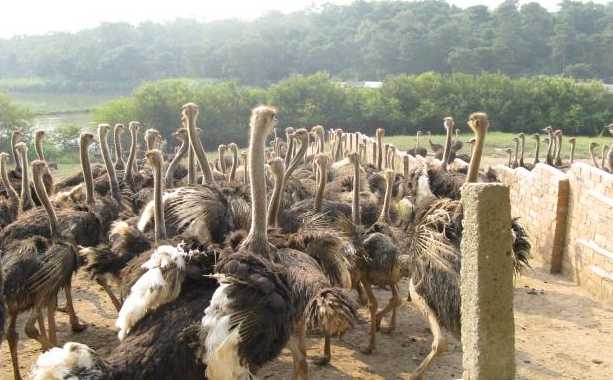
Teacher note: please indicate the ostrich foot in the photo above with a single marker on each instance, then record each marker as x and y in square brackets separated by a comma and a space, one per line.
[78, 327]
[367, 350]
[321, 360]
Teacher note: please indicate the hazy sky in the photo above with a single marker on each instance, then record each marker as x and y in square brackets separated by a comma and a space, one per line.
[41, 16]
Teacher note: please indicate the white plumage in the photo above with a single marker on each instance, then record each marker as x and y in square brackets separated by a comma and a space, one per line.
[56, 363]
[159, 285]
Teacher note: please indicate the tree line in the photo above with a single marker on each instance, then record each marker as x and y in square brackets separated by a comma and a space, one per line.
[403, 105]
[361, 41]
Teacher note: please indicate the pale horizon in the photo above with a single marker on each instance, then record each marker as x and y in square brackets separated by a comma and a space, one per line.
[19, 19]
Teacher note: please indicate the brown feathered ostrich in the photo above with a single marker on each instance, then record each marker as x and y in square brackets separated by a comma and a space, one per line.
[509, 157]
[9, 206]
[15, 174]
[26, 201]
[437, 149]
[35, 270]
[299, 291]
[431, 240]
[537, 148]
[418, 150]
[158, 323]
[549, 154]
[522, 147]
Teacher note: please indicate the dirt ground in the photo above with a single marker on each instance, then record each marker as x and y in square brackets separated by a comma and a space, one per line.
[561, 333]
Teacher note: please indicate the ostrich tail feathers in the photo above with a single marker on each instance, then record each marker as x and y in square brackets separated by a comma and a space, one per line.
[332, 311]
[521, 246]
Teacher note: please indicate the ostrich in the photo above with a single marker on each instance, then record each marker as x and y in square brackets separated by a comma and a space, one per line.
[9, 206]
[522, 139]
[158, 322]
[299, 290]
[448, 154]
[35, 270]
[118, 130]
[591, 148]
[234, 150]
[169, 178]
[39, 136]
[510, 155]
[133, 127]
[25, 201]
[437, 149]
[15, 137]
[558, 151]
[418, 150]
[603, 157]
[537, 148]
[515, 163]
[549, 157]
[431, 239]
[573, 142]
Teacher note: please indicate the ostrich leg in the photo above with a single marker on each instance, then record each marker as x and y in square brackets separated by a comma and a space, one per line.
[372, 308]
[74, 320]
[392, 306]
[297, 346]
[439, 343]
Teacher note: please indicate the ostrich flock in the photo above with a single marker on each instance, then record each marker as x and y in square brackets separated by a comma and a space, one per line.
[554, 148]
[215, 268]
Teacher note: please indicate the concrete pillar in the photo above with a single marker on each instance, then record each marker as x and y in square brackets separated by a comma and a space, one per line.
[488, 328]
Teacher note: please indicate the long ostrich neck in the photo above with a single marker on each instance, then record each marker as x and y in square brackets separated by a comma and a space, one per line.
[26, 195]
[172, 166]
[447, 148]
[258, 235]
[199, 152]
[516, 152]
[297, 159]
[537, 150]
[603, 156]
[322, 142]
[158, 216]
[549, 147]
[87, 173]
[131, 156]
[41, 192]
[355, 202]
[117, 142]
[110, 170]
[191, 166]
[572, 152]
[14, 138]
[592, 156]
[234, 164]
[521, 150]
[222, 163]
[610, 158]
[245, 171]
[275, 200]
[38, 147]
[373, 152]
[417, 143]
[290, 150]
[321, 187]
[387, 199]
[379, 151]
[475, 160]
[510, 158]
[10, 190]
[559, 152]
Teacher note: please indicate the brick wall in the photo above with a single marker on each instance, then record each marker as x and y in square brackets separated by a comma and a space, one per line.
[539, 198]
[588, 257]
[569, 217]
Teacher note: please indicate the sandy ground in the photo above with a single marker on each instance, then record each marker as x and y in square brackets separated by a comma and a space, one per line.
[561, 333]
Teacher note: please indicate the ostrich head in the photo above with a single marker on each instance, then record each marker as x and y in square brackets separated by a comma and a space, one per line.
[154, 158]
[39, 135]
[521, 136]
[103, 131]
[380, 132]
[119, 129]
[419, 133]
[4, 157]
[536, 136]
[321, 160]
[354, 158]
[190, 111]
[152, 138]
[448, 123]
[509, 151]
[277, 167]
[610, 128]
[572, 140]
[263, 119]
[180, 134]
[471, 140]
[86, 139]
[478, 123]
[133, 127]
[233, 148]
